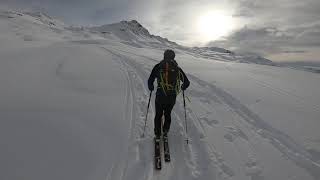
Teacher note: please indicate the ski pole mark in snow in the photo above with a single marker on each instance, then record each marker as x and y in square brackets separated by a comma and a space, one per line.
[210, 122]
[208, 151]
[236, 132]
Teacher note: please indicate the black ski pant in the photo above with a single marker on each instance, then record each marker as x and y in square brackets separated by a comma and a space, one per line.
[164, 106]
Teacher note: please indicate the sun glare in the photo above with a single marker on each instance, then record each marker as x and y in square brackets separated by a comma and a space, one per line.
[214, 25]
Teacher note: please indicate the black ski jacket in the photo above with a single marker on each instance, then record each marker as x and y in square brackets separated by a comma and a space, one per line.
[156, 74]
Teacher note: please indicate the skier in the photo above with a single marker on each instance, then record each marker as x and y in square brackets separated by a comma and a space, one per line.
[168, 75]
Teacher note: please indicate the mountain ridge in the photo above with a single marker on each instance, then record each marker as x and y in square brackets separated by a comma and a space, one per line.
[135, 34]
[126, 30]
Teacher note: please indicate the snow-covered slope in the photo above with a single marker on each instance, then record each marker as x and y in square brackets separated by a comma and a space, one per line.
[73, 106]
[221, 54]
[307, 66]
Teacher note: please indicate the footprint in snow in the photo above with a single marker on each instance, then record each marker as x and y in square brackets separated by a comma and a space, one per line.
[254, 170]
[235, 132]
[210, 122]
[229, 137]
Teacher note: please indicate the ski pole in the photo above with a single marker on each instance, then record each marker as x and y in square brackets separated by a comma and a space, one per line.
[145, 122]
[185, 117]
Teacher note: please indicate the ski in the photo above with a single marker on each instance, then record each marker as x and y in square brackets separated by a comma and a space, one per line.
[166, 149]
[157, 154]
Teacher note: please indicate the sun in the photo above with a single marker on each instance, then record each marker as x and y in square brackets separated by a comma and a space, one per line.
[214, 25]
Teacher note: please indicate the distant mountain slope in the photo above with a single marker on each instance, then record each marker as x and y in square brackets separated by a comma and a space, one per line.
[222, 54]
[127, 32]
[303, 65]
[133, 33]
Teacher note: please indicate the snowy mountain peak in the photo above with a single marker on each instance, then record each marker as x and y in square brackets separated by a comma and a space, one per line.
[38, 14]
[34, 17]
[44, 18]
[135, 27]
[9, 14]
[131, 23]
[132, 27]
[135, 34]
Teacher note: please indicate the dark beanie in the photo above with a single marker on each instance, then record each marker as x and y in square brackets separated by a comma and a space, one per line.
[169, 54]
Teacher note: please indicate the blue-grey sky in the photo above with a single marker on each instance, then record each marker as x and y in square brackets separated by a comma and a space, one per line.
[278, 29]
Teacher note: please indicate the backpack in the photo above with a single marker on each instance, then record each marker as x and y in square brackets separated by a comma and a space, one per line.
[169, 77]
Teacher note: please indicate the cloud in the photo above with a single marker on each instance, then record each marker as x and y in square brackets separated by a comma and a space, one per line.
[276, 28]
[278, 12]
[261, 40]
[308, 35]
[271, 41]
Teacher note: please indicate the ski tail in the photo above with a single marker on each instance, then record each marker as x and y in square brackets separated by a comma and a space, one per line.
[157, 154]
[167, 157]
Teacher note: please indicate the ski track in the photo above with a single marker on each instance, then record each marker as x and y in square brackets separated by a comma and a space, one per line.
[194, 159]
[201, 159]
[278, 139]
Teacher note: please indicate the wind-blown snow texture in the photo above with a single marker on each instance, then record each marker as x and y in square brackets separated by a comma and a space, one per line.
[73, 104]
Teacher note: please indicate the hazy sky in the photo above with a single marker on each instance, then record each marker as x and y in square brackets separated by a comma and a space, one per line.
[278, 29]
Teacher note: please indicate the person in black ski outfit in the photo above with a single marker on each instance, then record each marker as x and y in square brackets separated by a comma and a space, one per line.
[168, 74]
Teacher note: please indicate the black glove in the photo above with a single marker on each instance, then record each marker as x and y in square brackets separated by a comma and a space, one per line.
[183, 87]
[151, 87]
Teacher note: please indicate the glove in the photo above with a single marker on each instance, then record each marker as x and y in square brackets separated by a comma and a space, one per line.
[151, 87]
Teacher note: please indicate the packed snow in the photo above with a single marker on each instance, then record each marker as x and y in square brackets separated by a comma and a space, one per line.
[74, 100]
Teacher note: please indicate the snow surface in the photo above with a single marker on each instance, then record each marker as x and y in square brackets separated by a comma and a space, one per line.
[73, 104]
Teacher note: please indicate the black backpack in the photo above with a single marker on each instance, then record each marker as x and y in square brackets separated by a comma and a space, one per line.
[169, 75]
